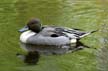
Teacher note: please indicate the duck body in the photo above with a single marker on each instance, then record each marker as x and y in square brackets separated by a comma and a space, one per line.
[48, 36]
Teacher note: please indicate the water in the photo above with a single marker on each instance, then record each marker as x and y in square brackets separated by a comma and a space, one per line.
[82, 14]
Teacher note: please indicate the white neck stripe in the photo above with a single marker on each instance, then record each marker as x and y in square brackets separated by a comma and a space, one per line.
[24, 36]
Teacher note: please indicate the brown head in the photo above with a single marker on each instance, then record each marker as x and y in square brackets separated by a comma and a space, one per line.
[34, 25]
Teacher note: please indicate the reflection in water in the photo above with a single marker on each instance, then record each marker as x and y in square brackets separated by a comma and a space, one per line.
[31, 58]
[34, 51]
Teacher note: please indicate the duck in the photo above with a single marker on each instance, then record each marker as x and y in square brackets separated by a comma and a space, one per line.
[57, 40]
[37, 39]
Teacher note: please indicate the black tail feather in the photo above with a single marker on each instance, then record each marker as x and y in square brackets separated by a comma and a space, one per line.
[94, 31]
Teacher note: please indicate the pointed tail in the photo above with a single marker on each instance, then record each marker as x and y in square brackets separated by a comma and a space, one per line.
[85, 34]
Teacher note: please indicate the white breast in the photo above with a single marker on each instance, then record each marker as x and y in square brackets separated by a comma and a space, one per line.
[24, 36]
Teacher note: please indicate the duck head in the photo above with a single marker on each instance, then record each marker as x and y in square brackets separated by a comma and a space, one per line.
[33, 25]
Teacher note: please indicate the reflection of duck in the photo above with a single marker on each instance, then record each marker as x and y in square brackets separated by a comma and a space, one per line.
[30, 58]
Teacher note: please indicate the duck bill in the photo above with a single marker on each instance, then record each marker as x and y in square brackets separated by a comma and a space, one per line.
[25, 28]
